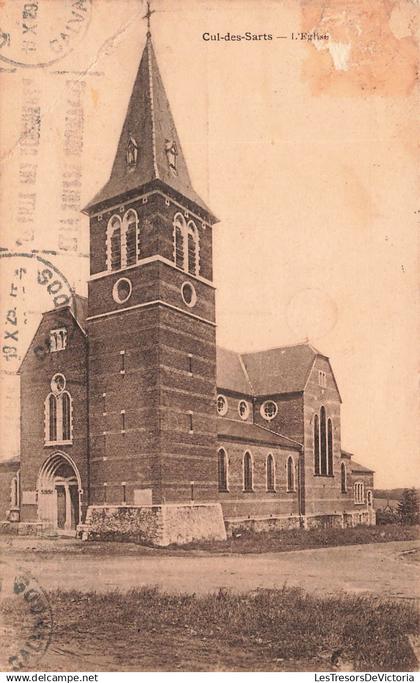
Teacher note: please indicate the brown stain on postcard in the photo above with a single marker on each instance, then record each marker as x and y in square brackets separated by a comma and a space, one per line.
[371, 48]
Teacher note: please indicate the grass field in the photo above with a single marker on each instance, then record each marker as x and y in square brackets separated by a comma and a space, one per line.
[271, 630]
[299, 539]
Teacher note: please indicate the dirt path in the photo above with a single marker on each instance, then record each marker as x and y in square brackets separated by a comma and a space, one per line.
[387, 569]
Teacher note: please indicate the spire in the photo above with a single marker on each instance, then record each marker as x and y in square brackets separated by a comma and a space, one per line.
[149, 148]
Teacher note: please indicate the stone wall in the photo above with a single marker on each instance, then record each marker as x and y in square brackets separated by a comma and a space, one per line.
[260, 524]
[8, 470]
[158, 525]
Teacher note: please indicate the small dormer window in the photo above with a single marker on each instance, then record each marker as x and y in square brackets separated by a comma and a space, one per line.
[58, 339]
[132, 152]
[171, 155]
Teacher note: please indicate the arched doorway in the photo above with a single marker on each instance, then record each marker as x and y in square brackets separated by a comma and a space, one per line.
[59, 489]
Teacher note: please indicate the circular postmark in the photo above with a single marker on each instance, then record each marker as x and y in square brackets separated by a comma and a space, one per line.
[30, 286]
[37, 33]
[26, 619]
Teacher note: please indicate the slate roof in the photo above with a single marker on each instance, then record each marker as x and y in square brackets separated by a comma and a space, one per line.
[276, 371]
[231, 372]
[149, 123]
[11, 464]
[79, 309]
[346, 454]
[280, 370]
[247, 431]
[357, 467]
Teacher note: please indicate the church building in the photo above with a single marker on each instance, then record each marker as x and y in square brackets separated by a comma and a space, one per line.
[137, 425]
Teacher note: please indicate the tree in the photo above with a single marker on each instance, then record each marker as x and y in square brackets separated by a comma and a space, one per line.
[408, 507]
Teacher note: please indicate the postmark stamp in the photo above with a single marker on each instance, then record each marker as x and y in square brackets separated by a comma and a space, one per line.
[27, 620]
[37, 33]
[31, 285]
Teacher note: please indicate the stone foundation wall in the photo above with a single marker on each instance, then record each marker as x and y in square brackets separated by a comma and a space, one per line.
[324, 522]
[260, 524]
[159, 525]
[24, 529]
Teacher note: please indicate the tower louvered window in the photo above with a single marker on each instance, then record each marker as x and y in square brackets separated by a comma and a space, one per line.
[114, 243]
[131, 237]
[192, 249]
[179, 241]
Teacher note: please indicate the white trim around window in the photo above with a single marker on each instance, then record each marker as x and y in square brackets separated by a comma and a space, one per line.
[269, 410]
[222, 404]
[243, 409]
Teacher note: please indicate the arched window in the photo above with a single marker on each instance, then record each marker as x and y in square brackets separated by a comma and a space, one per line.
[223, 470]
[343, 478]
[15, 492]
[323, 421]
[359, 492]
[248, 473]
[270, 473]
[114, 243]
[179, 241]
[330, 448]
[130, 228]
[66, 416]
[58, 413]
[52, 418]
[290, 474]
[316, 445]
[369, 497]
[193, 245]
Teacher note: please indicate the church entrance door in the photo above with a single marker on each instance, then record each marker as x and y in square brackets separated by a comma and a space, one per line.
[59, 491]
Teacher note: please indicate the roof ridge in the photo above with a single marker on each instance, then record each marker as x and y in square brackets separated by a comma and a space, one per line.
[245, 371]
[152, 108]
[286, 346]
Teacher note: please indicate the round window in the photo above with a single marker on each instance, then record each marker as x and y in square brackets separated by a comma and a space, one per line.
[189, 295]
[269, 410]
[121, 291]
[58, 383]
[243, 409]
[222, 405]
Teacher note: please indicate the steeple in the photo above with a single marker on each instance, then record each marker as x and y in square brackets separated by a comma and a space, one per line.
[149, 150]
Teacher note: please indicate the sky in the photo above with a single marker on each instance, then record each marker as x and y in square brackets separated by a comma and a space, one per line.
[305, 154]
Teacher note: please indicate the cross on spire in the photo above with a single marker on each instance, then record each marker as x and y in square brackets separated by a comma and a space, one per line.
[147, 17]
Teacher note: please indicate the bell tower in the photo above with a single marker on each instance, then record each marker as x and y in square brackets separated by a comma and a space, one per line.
[151, 316]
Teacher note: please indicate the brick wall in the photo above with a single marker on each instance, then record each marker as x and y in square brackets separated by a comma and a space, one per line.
[289, 418]
[36, 373]
[260, 502]
[322, 493]
[167, 438]
[156, 232]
